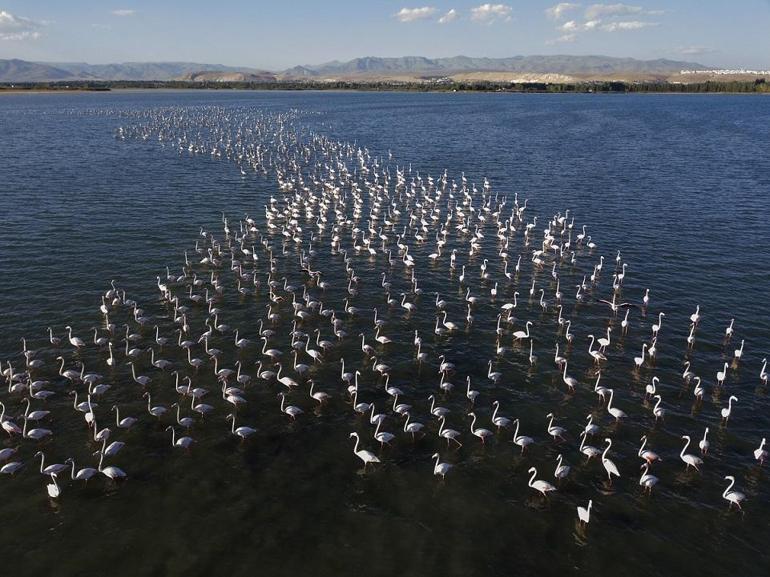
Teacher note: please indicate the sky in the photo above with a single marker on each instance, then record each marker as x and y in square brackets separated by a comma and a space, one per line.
[276, 35]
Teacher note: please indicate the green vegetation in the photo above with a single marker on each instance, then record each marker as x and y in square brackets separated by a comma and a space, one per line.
[440, 85]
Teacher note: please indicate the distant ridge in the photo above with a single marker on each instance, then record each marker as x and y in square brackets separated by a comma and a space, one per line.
[24, 71]
[220, 76]
[562, 64]
[370, 66]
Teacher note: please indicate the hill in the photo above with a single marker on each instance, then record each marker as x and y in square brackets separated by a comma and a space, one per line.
[23, 71]
[220, 76]
[561, 64]
[403, 68]
[145, 70]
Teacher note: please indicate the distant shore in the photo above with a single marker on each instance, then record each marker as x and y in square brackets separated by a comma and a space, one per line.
[756, 86]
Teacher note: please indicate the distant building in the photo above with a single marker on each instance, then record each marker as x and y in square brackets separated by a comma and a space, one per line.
[728, 72]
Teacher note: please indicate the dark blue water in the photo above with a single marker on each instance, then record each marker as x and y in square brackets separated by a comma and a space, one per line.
[678, 184]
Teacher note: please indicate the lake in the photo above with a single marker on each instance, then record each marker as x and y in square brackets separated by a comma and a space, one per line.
[677, 183]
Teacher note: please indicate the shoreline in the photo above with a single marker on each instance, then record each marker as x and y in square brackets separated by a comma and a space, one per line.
[756, 86]
[40, 91]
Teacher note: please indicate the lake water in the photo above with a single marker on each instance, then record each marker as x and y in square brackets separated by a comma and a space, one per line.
[679, 184]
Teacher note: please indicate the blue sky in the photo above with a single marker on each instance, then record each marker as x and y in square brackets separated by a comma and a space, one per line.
[275, 35]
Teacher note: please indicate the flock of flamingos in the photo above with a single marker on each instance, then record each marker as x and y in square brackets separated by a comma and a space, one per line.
[366, 287]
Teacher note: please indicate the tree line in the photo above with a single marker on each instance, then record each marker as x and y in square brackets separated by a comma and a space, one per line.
[737, 86]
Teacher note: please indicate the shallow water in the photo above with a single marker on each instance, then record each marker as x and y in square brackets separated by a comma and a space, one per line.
[677, 183]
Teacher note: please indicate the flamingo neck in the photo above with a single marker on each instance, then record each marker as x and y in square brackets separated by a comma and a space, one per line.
[730, 486]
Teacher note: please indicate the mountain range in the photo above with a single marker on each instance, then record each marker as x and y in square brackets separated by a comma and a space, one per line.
[367, 67]
[524, 64]
[26, 71]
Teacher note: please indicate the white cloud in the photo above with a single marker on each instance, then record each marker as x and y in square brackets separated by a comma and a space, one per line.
[695, 50]
[448, 17]
[558, 11]
[600, 17]
[595, 11]
[123, 12]
[629, 25]
[563, 39]
[412, 14]
[18, 27]
[489, 13]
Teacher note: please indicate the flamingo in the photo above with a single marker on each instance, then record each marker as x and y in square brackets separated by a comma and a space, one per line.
[704, 444]
[600, 391]
[597, 356]
[412, 427]
[499, 421]
[727, 411]
[651, 388]
[638, 361]
[729, 329]
[521, 440]
[480, 432]
[688, 458]
[732, 497]
[319, 396]
[519, 335]
[437, 411]
[647, 480]
[36, 433]
[561, 471]
[53, 488]
[554, 431]
[656, 327]
[471, 394]
[544, 487]
[83, 474]
[290, 410]
[440, 468]
[243, 432]
[113, 473]
[721, 375]
[157, 411]
[739, 352]
[699, 389]
[448, 434]
[366, 456]
[615, 412]
[286, 381]
[493, 376]
[382, 436]
[76, 342]
[588, 450]
[657, 410]
[609, 466]
[590, 428]
[584, 513]
[54, 469]
[646, 454]
[571, 382]
[760, 454]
